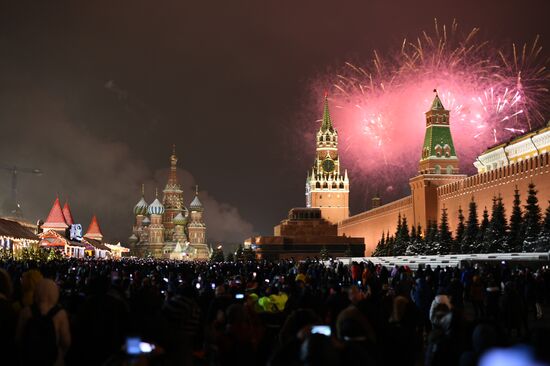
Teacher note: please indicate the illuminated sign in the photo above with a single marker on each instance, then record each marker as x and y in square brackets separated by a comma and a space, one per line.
[75, 232]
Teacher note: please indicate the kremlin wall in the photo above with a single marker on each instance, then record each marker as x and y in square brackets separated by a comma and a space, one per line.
[439, 185]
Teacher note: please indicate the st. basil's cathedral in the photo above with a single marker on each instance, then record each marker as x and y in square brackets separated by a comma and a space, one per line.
[169, 229]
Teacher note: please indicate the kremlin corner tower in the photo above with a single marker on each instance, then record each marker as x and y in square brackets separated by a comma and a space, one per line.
[327, 188]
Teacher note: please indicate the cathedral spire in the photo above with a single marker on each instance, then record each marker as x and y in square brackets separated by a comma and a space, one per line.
[172, 178]
[326, 123]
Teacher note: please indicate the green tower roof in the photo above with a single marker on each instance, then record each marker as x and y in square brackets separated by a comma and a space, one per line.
[327, 123]
[436, 104]
[438, 134]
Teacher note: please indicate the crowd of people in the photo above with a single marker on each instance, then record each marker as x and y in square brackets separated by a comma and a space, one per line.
[160, 312]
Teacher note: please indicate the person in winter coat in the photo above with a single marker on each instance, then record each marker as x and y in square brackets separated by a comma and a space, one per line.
[477, 296]
[539, 294]
[46, 297]
[440, 298]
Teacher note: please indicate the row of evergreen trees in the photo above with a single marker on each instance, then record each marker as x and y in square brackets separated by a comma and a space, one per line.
[527, 231]
[241, 254]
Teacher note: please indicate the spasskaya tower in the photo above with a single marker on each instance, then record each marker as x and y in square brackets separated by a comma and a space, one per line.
[326, 187]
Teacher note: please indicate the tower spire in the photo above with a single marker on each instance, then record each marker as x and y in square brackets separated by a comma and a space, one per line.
[438, 152]
[172, 178]
[142, 189]
[326, 123]
[437, 104]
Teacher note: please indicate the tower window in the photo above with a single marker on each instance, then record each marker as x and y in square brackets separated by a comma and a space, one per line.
[449, 169]
[438, 150]
[341, 185]
[447, 150]
[325, 185]
[437, 169]
[317, 185]
[334, 186]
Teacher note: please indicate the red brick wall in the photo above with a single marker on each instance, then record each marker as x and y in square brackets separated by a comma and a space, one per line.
[482, 187]
[372, 223]
[502, 181]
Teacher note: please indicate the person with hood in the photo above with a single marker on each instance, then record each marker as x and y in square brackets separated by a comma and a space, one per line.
[29, 280]
[440, 299]
[43, 332]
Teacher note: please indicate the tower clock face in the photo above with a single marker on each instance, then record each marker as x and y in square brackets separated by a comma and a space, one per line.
[328, 165]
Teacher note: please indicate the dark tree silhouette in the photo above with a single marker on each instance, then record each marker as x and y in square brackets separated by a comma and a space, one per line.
[515, 238]
[531, 220]
[472, 228]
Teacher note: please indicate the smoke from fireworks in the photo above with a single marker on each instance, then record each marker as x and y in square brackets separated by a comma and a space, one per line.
[493, 94]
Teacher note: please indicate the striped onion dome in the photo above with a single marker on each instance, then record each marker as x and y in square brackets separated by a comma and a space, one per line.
[179, 219]
[196, 204]
[146, 221]
[141, 207]
[155, 208]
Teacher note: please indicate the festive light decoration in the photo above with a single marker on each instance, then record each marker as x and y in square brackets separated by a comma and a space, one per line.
[492, 93]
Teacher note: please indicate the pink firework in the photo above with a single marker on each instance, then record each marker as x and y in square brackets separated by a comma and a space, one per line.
[493, 94]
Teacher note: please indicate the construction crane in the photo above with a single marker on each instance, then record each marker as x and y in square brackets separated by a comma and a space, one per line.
[15, 208]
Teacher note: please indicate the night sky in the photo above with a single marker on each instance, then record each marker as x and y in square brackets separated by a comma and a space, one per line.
[96, 92]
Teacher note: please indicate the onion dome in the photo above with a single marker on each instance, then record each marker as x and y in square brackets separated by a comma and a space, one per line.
[133, 238]
[141, 207]
[179, 219]
[196, 204]
[146, 221]
[155, 208]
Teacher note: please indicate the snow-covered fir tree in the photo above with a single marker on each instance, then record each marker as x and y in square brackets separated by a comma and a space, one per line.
[469, 240]
[402, 238]
[483, 231]
[444, 235]
[531, 221]
[544, 238]
[496, 240]
[515, 238]
[460, 229]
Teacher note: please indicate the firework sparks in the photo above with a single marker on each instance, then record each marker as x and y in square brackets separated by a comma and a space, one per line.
[492, 94]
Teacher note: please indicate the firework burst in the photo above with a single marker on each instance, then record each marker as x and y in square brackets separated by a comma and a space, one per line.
[492, 93]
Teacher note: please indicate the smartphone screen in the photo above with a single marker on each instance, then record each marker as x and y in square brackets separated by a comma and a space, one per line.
[321, 329]
[132, 345]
